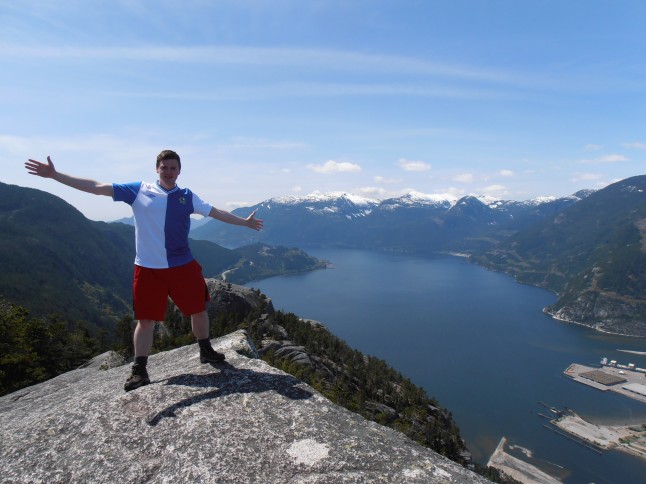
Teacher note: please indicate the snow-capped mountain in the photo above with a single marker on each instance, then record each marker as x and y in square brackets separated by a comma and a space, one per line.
[336, 203]
[411, 223]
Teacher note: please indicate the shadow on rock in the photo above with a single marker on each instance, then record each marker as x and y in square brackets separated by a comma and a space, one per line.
[230, 380]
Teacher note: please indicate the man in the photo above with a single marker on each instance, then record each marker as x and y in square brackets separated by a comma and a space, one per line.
[164, 265]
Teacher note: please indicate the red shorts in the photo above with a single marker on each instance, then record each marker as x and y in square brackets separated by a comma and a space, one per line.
[185, 285]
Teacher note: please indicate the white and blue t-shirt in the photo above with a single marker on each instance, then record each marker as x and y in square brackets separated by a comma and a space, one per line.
[162, 222]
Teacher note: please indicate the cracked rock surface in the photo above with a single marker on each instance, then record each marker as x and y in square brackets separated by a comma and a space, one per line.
[237, 421]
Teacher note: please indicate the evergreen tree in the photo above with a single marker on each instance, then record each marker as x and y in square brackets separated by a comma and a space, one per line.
[123, 337]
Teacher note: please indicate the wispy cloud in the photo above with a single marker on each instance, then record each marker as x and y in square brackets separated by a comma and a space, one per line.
[413, 165]
[318, 89]
[464, 178]
[506, 173]
[586, 177]
[234, 205]
[613, 158]
[636, 145]
[275, 56]
[496, 191]
[387, 181]
[372, 192]
[332, 166]
[593, 147]
[262, 143]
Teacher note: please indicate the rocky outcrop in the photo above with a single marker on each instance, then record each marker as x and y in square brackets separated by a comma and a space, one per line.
[239, 421]
[605, 312]
[227, 298]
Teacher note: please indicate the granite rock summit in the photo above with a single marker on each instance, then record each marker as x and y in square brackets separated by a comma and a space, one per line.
[239, 421]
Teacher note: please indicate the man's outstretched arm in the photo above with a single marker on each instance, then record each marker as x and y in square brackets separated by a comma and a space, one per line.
[251, 221]
[47, 170]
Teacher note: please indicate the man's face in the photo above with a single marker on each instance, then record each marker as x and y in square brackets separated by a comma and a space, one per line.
[168, 172]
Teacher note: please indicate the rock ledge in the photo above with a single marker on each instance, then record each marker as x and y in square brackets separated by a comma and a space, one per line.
[240, 421]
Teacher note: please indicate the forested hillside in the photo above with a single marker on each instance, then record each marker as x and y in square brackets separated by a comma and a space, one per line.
[36, 349]
[593, 255]
[259, 261]
[56, 261]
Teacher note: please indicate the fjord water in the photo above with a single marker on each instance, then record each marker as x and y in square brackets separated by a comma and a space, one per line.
[479, 343]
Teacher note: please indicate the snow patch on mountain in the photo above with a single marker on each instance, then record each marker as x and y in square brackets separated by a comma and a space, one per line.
[429, 198]
[320, 197]
[353, 206]
[417, 199]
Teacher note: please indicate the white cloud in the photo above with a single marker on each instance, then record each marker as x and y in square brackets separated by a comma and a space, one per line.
[332, 166]
[592, 147]
[586, 177]
[387, 181]
[413, 165]
[637, 145]
[464, 178]
[234, 205]
[496, 191]
[613, 158]
[506, 173]
[262, 143]
[375, 192]
[456, 192]
[257, 56]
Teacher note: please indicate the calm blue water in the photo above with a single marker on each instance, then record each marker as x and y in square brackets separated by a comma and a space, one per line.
[478, 342]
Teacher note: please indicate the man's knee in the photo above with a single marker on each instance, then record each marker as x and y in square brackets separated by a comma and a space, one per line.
[146, 323]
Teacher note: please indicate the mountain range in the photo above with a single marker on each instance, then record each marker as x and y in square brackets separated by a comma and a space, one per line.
[588, 248]
[592, 254]
[53, 260]
[413, 223]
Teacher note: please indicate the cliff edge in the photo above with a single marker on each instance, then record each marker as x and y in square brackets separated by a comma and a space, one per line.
[239, 421]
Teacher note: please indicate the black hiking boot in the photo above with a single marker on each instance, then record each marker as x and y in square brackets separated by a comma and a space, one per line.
[209, 355]
[138, 378]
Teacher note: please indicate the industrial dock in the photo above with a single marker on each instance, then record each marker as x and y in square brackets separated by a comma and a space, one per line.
[626, 380]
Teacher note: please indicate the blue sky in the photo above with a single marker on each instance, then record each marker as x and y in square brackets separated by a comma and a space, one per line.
[513, 99]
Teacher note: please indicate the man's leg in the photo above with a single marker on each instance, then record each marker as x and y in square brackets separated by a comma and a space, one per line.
[200, 326]
[143, 337]
[143, 342]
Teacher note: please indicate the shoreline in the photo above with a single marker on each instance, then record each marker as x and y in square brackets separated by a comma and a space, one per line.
[470, 257]
[633, 352]
[603, 331]
[626, 438]
[516, 468]
[616, 379]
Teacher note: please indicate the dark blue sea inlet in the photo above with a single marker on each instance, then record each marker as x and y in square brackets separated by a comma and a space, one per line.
[478, 342]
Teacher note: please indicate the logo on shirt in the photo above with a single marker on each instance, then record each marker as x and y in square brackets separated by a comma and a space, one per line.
[182, 200]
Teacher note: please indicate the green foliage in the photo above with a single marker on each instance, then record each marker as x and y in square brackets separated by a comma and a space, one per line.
[494, 475]
[33, 350]
[597, 246]
[624, 271]
[364, 384]
[260, 261]
[213, 258]
[54, 260]
[174, 332]
[123, 342]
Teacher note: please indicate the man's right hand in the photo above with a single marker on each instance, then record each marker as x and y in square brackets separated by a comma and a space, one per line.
[48, 171]
[41, 169]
